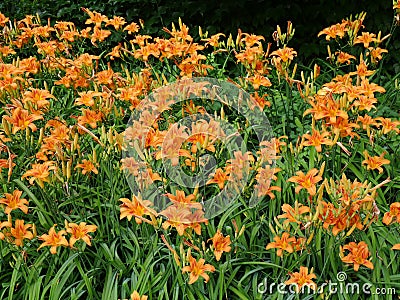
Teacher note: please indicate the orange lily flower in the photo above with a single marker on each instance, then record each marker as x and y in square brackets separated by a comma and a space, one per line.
[87, 166]
[393, 213]
[362, 69]
[132, 28]
[344, 128]
[79, 232]
[334, 87]
[252, 39]
[376, 53]
[368, 89]
[302, 278]
[299, 244]
[213, 40]
[366, 38]
[132, 166]
[95, 17]
[343, 57]
[21, 232]
[13, 201]
[106, 77]
[197, 269]
[90, 117]
[178, 217]
[6, 50]
[358, 255]
[317, 139]
[193, 109]
[261, 100]
[99, 35]
[21, 119]
[3, 20]
[239, 165]
[306, 181]
[258, 80]
[136, 296]
[220, 177]
[365, 103]
[115, 52]
[53, 239]
[396, 247]
[221, 244]
[182, 199]
[5, 224]
[86, 98]
[336, 30]
[40, 173]
[366, 122]
[332, 111]
[135, 208]
[38, 97]
[292, 215]
[375, 162]
[264, 177]
[282, 243]
[117, 22]
[285, 54]
[389, 125]
[196, 219]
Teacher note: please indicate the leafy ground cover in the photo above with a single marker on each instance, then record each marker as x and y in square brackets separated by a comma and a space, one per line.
[97, 117]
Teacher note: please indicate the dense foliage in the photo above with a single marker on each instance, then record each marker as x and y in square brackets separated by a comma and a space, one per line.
[95, 114]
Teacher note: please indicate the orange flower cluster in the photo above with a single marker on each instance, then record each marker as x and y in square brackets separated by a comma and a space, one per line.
[20, 231]
[353, 206]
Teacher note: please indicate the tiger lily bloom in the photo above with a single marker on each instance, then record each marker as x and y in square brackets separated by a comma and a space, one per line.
[21, 232]
[79, 232]
[220, 177]
[317, 139]
[53, 239]
[135, 208]
[375, 162]
[358, 255]
[302, 278]
[307, 181]
[40, 173]
[87, 166]
[136, 296]
[21, 120]
[13, 201]
[221, 244]
[293, 214]
[282, 243]
[393, 213]
[197, 269]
